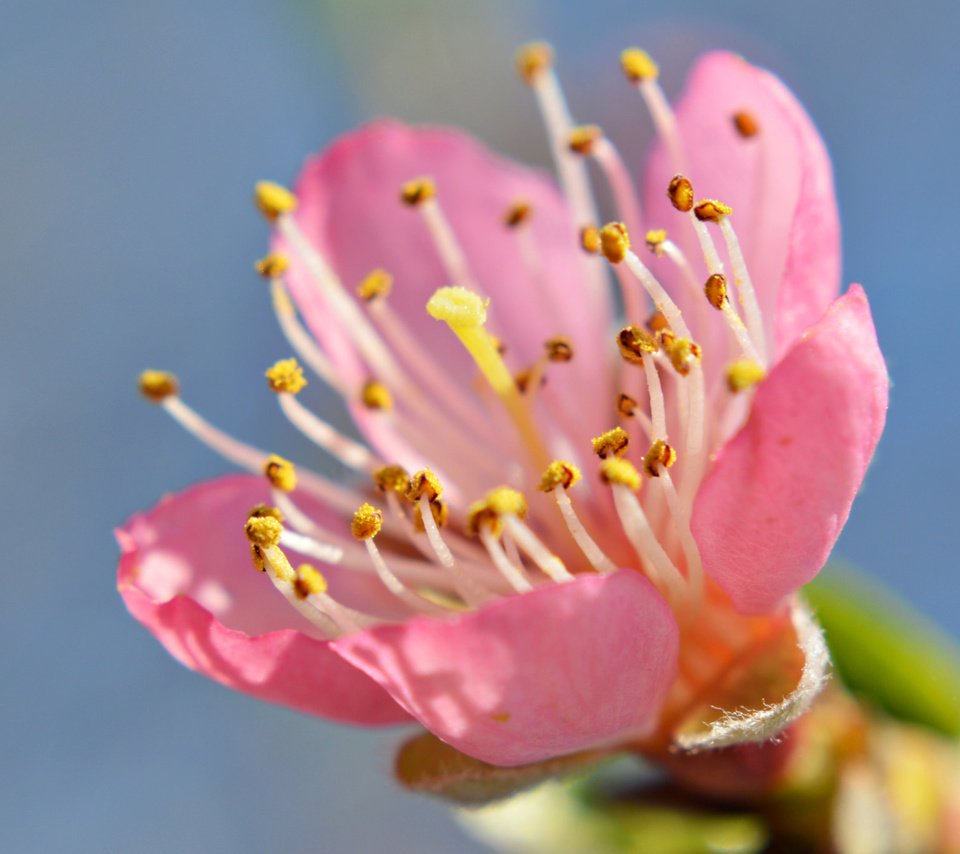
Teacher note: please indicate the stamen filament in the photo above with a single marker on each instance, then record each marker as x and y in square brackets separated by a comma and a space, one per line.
[397, 587]
[593, 553]
[507, 569]
[546, 560]
[448, 247]
[748, 295]
[348, 452]
[621, 184]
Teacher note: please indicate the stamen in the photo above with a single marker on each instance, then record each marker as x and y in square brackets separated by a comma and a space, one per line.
[613, 443]
[377, 284]
[376, 395]
[273, 200]
[272, 266]
[421, 193]
[746, 124]
[681, 195]
[286, 376]
[157, 386]
[715, 290]
[564, 474]
[590, 239]
[281, 473]
[517, 214]
[744, 374]
[660, 456]
[501, 562]
[624, 480]
[465, 313]
[644, 74]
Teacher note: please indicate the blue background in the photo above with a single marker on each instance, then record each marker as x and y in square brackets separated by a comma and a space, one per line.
[130, 138]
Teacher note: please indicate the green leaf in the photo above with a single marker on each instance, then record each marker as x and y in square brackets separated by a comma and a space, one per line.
[886, 651]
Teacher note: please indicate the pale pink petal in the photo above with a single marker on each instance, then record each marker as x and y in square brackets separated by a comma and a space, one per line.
[780, 491]
[779, 183]
[349, 206]
[535, 676]
[186, 574]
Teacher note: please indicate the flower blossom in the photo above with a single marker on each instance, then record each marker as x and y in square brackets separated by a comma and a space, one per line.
[597, 460]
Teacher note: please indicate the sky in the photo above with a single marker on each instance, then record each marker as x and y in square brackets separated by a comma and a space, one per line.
[132, 136]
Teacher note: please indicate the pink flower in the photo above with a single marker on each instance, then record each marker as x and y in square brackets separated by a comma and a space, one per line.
[534, 623]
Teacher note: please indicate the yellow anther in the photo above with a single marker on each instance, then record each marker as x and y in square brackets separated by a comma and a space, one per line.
[613, 443]
[614, 241]
[626, 405]
[273, 199]
[618, 472]
[309, 581]
[660, 455]
[272, 266]
[657, 322]
[716, 290]
[683, 353]
[285, 376]
[582, 139]
[680, 193]
[259, 562]
[479, 515]
[505, 501]
[746, 124]
[367, 522]
[376, 284]
[638, 65]
[711, 210]
[532, 60]
[440, 512]
[424, 482]
[458, 306]
[281, 473]
[634, 343]
[259, 510]
[392, 479]
[655, 238]
[523, 378]
[375, 395]
[559, 473]
[743, 374]
[590, 239]
[558, 349]
[417, 191]
[263, 531]
[156, 386]
[517, 214]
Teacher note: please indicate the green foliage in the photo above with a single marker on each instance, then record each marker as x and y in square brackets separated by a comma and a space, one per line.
[886, 652]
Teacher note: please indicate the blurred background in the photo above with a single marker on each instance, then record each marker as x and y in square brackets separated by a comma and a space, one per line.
[131, 136]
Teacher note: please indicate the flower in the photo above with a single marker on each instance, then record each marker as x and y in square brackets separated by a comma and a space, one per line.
[695, 459]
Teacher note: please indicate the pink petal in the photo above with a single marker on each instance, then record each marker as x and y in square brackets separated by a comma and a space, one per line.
[544, 674]
[780, 491]
[350, 208]
[185, 573]
[779, 183]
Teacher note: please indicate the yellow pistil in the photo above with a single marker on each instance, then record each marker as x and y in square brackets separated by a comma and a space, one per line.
[263, 531]
[711, 210]
[465, 312]
[716, 290]
[655, 239]
[619, 472]
[613, 443]
[558, 349]
[392, 479]
[680, 193]
[638, 65]
[634, 343]
[660, 455]
[367, 522]
[272, 266]
[614, 241]
[590, 239]
[273, 199]
[657, 322]
[286, 376]
[309, 581]
[375, 395]
[559, 473]
[504, 501]
[683, 353]
[626, 405]
[517, 214]
[746, 124]
[375, 285]
[582, 139]
[417, 191]
[743, 374]
[156, 386]
[281, 473]
[424, 482]
[532, 60]
[440, 512]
